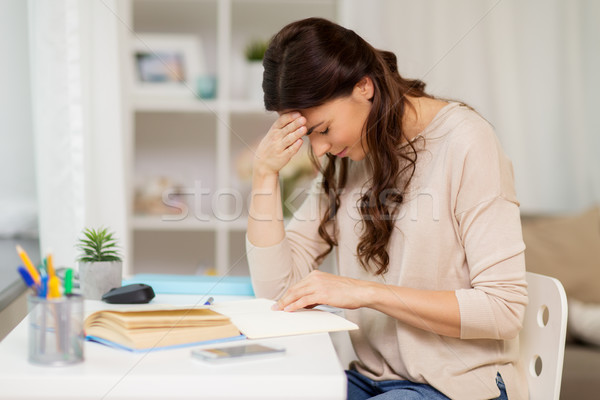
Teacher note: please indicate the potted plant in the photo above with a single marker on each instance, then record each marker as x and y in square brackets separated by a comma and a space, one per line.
[100, 264]
[254, 52]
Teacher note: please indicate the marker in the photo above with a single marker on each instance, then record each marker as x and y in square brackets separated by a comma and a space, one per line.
[53, 287]
[68, 282]
[29, 265]
[28, 279]
[209, 301]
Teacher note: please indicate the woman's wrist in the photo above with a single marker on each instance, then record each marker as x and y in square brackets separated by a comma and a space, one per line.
[264, 181]
[368, 293]
[261, 166]
[265, 176]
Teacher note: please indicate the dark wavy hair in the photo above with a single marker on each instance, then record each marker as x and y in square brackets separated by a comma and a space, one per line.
[313, 61]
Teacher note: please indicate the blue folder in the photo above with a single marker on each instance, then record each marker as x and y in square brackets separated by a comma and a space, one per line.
[109, 343]
[195, 284]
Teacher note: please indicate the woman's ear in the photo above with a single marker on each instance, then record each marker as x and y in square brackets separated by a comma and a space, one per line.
[365, 88]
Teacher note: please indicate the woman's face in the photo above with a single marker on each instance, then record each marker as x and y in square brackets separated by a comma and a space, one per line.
[338, 126]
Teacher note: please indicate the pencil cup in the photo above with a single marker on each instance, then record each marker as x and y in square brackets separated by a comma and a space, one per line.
[55, 330]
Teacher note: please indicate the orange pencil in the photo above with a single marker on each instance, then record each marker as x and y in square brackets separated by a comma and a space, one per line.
[50, 266]
[29, 265]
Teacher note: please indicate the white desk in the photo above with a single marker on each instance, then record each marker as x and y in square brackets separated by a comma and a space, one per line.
[309, 370]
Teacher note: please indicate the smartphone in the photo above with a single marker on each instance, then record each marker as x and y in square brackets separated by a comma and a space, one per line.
[243, 352]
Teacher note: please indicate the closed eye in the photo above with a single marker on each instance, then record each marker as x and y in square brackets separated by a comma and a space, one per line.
[325, 131]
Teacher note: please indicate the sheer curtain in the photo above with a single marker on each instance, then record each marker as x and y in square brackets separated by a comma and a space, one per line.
[529, 67]
[77, 121]
[18, 198]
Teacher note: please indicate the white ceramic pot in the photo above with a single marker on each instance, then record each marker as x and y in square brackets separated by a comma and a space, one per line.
[97, 278]
[254, 78]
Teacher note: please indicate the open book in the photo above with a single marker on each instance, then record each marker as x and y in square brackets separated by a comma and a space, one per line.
[150, 329]
[151, 326]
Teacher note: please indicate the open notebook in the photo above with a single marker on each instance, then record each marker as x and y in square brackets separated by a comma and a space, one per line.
[255, 319]
[151, 327]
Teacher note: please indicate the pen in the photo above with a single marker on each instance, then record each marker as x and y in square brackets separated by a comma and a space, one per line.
[209, 301]
[28, 279]
[29, 265]
[44, 287]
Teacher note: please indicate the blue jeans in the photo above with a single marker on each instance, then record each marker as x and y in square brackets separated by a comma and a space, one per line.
[360, 387]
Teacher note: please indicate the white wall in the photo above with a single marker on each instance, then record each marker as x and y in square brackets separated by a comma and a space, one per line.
[17, 179]
[529, 67]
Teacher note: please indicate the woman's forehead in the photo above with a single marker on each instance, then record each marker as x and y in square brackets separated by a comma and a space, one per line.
[319, 114]
[312, 110]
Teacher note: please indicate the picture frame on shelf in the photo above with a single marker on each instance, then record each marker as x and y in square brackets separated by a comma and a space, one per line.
[167, 63]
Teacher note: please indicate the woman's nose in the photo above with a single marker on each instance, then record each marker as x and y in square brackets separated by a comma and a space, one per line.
[319, 145]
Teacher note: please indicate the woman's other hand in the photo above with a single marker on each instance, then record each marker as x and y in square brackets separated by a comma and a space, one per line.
[431, 310]
[280, 144]
[324, 288]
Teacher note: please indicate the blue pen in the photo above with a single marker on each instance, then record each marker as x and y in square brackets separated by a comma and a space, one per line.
[28, 279]
[209, 301]
[44, 286]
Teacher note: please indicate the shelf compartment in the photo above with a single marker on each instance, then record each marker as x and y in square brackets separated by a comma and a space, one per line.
[173, 252]
[174, 151]
[198, 18]
[252, 20]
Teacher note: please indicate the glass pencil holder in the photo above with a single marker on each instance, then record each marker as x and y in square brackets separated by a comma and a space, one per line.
[55, 330]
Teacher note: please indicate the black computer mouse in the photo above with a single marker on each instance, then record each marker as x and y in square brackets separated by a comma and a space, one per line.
[136, 293]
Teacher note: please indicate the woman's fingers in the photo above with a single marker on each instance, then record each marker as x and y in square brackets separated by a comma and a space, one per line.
[309, 301]
[292, 137]
[303, 294]
[292, 294]
[289, 121]
[324, 288]
[285, 119]
[293, 149]
[296, 124]
[281, 143]
[284, 125]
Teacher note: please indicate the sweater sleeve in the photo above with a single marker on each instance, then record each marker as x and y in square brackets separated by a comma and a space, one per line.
[275, 268]
[489, 226]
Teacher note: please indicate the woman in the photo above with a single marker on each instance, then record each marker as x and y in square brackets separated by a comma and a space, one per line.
[416, 197]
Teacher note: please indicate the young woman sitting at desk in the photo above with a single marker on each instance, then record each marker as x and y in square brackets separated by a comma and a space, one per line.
[416, 197]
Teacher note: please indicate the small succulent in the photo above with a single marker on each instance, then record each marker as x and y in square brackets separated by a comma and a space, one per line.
[98, 245]
[255, 50]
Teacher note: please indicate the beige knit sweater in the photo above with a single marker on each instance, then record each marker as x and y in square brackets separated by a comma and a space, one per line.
[458, 229]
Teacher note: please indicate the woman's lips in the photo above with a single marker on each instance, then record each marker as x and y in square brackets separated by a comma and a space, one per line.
[342, 153]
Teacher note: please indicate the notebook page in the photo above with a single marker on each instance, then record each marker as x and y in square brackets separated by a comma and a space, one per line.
[255, 319]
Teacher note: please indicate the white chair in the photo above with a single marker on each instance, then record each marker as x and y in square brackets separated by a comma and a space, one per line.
[542, 339]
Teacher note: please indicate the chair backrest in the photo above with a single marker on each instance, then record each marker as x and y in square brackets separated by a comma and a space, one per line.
[542, 339]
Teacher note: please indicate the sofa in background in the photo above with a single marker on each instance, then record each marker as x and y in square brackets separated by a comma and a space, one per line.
[568, 248]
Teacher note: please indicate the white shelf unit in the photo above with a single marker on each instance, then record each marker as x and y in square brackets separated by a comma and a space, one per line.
[190, 140]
